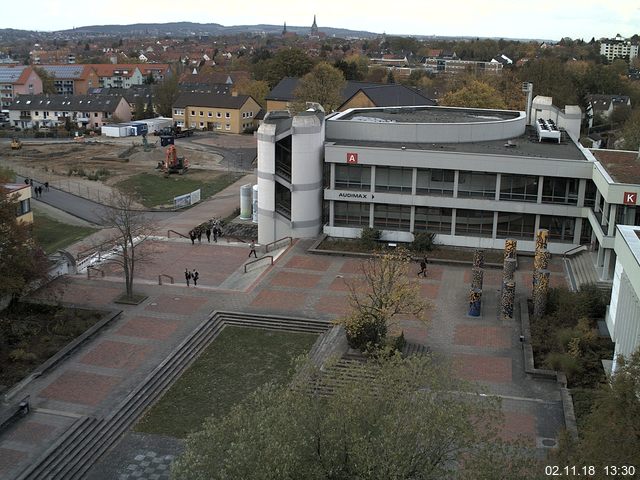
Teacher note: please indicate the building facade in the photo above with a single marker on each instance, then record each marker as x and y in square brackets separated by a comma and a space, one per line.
[618, 48]
[83, 111]
[473, 177]
[17, 80]
[72, 79]
[22, 195]
[226, 113]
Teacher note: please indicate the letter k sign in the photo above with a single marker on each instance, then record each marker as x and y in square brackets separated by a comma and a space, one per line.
[630, 198]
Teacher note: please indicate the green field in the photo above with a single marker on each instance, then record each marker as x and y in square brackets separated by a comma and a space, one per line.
[237, 362]
[153, 189]
[53, 235]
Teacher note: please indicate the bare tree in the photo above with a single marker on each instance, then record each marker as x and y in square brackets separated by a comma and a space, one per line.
[129, 228]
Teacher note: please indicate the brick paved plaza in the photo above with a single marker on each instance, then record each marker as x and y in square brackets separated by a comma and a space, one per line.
[95, 378]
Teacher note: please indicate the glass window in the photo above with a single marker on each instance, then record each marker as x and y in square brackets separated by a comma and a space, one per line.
[350, 214]
[392, 217]
[561, 229]
[590, 194]
[227, 115]
[23, 207]
[218, 115]
[209, 114]
[227, 127]
[519, 188]
[560, 190]
[476, 223]
[283, 200]
[393, 179]
[193, 113]
[477, 184]
[353, 177]
[435, 182]
[516, 225]
[433, 220]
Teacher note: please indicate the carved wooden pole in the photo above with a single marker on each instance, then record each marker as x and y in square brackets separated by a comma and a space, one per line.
[477, 276]
[507, 299]
[541, 293]
[478, 258]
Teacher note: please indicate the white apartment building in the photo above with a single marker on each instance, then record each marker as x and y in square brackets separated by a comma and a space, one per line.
[618, 48]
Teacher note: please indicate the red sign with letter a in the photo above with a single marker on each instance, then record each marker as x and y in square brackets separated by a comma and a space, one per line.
[630, 198]
[352, 158]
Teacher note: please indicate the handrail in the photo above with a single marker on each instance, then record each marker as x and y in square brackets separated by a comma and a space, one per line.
[89, 268]
[164, 275]
[169, 234]
[234, 238]
[266, 247]
[257, 260]
[572, 250]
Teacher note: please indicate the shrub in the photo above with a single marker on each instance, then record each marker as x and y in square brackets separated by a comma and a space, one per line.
[564, 362]
[364, 332]
[20, 355]
[369, 237]
[422, 242]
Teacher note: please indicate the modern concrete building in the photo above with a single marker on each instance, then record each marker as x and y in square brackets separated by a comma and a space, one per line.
[618, 47]
[471, 176]
[623, 314]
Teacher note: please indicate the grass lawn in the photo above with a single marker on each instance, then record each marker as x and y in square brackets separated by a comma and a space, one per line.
[234, 365]
[53, 235]
[153, 189]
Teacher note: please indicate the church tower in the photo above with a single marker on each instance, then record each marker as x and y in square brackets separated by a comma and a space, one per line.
[284, 30]
[314, 28]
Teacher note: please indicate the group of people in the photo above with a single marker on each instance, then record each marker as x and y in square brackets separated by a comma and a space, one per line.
[212, 227]
[191, 276]
[44, 187]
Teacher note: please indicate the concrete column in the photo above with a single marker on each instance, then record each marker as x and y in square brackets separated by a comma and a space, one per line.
[371, 215]
[332, 209]
[456, 178]
[606, 264]
[577, 230]
[412, 219]
[373, 179]
[332, 176]
[498, 180]
[494, 230]
[540, 185]
[453, 221]
[596, 206]
[414, 183]
[613, 212]
[582, 189]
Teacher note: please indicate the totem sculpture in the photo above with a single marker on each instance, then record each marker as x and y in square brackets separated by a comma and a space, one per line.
[475, 302]
[508, 279]
[540, 273]
[477, 277]
[541, 293]
[508, 298]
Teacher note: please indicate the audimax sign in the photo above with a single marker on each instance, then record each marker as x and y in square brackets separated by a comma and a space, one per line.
[363, 196]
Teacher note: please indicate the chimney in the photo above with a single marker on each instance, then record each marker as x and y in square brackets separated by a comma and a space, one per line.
[234, 93]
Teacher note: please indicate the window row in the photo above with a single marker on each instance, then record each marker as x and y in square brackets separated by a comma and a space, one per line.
[522, 188]
[474, 223]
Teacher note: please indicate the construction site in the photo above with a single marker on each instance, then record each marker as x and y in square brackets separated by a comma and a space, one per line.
[92, 169]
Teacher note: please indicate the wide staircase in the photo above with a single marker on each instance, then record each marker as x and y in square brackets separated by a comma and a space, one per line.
[582, 271]
[73, 454]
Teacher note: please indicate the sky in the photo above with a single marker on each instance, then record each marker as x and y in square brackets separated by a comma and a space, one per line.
[550, 20]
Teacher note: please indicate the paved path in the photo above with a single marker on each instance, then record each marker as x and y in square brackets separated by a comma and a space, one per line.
[99, 375]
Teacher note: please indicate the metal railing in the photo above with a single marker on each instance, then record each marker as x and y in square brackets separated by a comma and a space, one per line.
[257, 260]
[178, 233]
[574, 250]
[164, 275]
[96, 269]
[266, 247]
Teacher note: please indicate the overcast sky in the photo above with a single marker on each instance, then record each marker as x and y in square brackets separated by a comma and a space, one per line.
[488, 18]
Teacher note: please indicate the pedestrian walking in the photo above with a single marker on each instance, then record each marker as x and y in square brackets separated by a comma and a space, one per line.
[423, 267]
[192, 236]
[39, 191]
[195, 275]
[208, 232]
[199, 235]
[187, 275]
[31, 182]
[252, 247]
[46, 186]
[215, 234]
[26, 181]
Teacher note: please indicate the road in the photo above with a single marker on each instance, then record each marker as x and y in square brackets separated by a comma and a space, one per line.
[83, 208]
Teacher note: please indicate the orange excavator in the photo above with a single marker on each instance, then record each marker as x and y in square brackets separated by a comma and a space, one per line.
[173, 163]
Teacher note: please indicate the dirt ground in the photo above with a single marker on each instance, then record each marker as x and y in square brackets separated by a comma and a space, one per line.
[120, 160]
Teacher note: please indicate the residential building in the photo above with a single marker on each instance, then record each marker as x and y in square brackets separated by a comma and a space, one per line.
[456, 65]
[618, 47]
[159, 71]
[604, 105]
[354, 94]
[72, 79]
[474, 177]
[226, 113]
[83, 111]
[118, 75]
[22, 194]
[17, 80]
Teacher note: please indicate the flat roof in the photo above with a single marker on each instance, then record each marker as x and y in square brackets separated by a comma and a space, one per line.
[623, 166]
[425, 114]
[526, 145]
